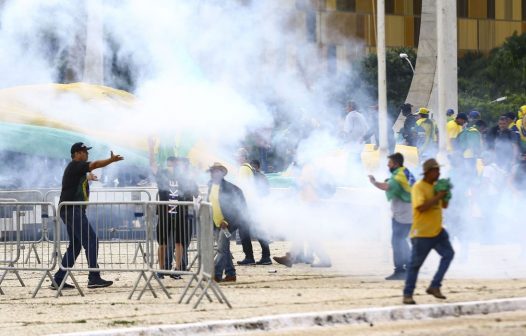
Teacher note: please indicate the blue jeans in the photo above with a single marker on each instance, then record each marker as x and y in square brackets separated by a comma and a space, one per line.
[421, 249]
[80, 234]
[223, 261]
[400, 244]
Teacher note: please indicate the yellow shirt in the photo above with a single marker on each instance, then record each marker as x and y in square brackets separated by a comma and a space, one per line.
[245, 172]
[453, 130]
[426, 224]
[217, 214]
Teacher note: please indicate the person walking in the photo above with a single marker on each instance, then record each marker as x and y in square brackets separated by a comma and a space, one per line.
[398, 191]
[428, 198]
[427, 135]
[75, 188]
[229, 212]
[248, 183]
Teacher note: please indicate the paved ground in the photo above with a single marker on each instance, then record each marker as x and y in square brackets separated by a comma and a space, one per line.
[509, 324]
[355, 280]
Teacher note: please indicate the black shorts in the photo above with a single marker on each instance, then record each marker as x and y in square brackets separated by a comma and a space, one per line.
[174, 225]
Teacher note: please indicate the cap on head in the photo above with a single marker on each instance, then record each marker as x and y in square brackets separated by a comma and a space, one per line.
[450, 112]
[423, 110]
[522, 112]
[430, 164]
[474, 115]
[79, 147]
[462, 116]
[218, 166]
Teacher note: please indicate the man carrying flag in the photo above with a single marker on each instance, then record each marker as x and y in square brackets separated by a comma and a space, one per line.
[398, 191]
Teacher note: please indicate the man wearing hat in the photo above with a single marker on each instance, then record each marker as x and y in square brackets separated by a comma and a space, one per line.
[427, 134]
[75, 188]
[229, 212]
[427, 232]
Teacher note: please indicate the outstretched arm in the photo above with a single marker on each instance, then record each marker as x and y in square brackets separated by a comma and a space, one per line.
[380, 185]
[103, 163]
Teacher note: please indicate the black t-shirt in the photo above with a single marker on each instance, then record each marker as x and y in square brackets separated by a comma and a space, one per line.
[75, 186]
[175, 188]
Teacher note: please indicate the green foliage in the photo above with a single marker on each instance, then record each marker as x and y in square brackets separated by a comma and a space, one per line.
[484, 78]
[399, 75]
[481, 78]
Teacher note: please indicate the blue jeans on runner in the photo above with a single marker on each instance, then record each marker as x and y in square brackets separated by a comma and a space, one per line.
[421, 249]
[80, 234]
[223, 261]
[400, 244]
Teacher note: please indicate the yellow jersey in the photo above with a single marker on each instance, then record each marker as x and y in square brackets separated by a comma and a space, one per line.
[217, 214]
[426, 224]
[453, 130]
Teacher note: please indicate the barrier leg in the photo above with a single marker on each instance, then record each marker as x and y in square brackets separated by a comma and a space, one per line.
[69, 274]
[136, 284]
[187, 287]
[48, 274]
[193, 262]
[148, 285]
[217, 290]
[32, 248]
[1, 291]
[194, 290]
[2, 278]
[138, 249]
[202, 294]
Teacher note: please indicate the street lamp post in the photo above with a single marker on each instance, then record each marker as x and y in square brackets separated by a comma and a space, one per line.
[404, 56]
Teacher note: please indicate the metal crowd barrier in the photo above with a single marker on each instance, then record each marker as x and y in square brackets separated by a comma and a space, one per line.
[19, 231]
[120, 254]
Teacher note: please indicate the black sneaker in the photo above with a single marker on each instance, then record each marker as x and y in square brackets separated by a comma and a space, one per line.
[264, 261]
[160, 275]
[246, 262]
[99, 283]
[66, 286]
[175, 276]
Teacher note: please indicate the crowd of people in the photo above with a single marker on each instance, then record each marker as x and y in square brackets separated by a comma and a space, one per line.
[416, 205]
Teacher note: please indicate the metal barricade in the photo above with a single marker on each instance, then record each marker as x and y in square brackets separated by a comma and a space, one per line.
[20, 229]
[204, 278]
[174, 240]
[109, 195]
[111, 230]
[118, 254]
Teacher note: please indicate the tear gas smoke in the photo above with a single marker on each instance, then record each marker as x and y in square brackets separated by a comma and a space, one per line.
[211, 71]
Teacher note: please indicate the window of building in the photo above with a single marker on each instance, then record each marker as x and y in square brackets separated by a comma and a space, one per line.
[346, 5]
[523, 10]
[389, 6]
[462, 8]
[491, 9]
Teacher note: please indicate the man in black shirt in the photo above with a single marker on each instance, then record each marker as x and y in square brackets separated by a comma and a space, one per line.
[174, 184]
[75, 188]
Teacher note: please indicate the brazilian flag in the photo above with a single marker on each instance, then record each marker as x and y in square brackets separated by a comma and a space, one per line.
[400, 184]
